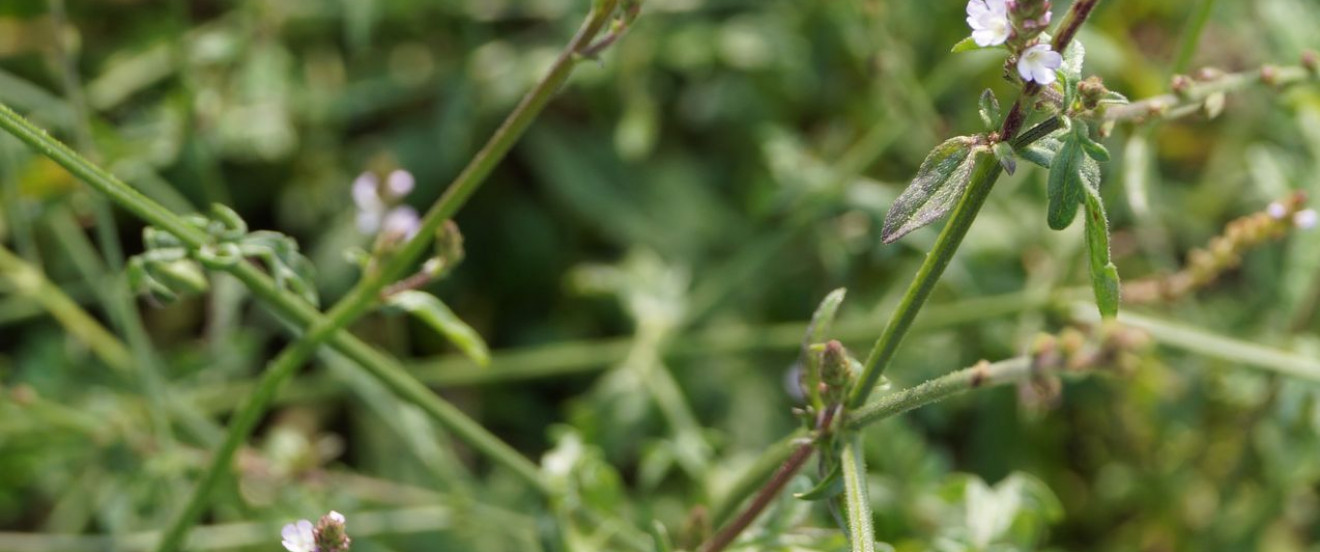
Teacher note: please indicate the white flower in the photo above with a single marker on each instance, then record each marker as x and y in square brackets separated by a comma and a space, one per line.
[299, 537]
[336, 516]
[1305, 219]
[989, 22]
[1038, 64]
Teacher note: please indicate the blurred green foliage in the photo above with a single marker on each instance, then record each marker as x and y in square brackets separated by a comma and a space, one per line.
[717, 172]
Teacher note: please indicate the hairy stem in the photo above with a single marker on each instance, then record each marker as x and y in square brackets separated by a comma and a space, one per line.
[983, 179]
[857, 500]
[978, 376]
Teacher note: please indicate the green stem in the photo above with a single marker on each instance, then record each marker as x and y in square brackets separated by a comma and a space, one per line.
[756, 475]
[30, 282]
[856, 499]
[982, 375]
[366, 293]
[982, 180]
[290, 307]
[1215, 345]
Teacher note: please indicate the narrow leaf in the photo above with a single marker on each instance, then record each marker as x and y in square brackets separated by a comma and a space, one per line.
[1042, 152]
[660, 537]
[434, 313]
[1093, 149]
[829, 486]
[1065, 184]
[1104, 275]
[1007, 159]
[823, 318]
[932, 194]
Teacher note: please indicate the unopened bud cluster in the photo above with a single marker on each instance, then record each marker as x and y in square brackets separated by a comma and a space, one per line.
[1029, 19]
[1225, 251]
[1110, 346]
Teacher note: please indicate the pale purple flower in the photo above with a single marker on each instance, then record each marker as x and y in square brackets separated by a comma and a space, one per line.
[336, 516]
[374, 212]
[1305, 219]
[1276, 210]
[1038, 64]
[399, 183]
[400, 223]
[989, 22]
[299, 537]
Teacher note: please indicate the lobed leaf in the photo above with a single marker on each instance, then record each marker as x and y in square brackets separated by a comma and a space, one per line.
[936, 189]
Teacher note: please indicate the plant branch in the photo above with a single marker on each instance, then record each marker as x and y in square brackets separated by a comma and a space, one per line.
[982, 180]
[763, 498]
[855, 496]
[366, 293]
[30, 282]
[981, 375]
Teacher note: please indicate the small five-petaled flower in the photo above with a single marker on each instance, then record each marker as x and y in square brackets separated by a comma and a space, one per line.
[1038, 64]
[992, 25]
[989, 22]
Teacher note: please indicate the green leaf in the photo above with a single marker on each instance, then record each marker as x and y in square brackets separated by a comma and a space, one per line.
[434, 313]
[1007, 159]
[965, 45]
[936, 189]
[1065, 184]
[1104, 275]
[989, 108]
[817, 331]
[660, 537]
[828, 487]
[1093, 149]
[823, 318]
[1042, 151]
[1073, 57]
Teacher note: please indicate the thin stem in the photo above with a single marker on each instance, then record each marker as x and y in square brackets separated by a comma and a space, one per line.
[32, 283]
[978, 376]
[1210, 344]
[1186, 102]
[767, 493]
[751, 480]
[288, 306]
[856, 499]
[366, 293]
[982, 180]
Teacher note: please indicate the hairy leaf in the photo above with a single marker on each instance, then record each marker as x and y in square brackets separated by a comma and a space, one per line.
[1007, 159]
[932, 194]
[1042, 151]
[1104, 275]
[828, 487]
[1065, 183]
